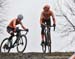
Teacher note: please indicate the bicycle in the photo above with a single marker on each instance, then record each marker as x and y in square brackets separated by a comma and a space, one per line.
[19, 43]
[47, 41]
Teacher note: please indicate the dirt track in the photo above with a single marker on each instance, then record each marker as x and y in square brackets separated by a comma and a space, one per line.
[35, 55]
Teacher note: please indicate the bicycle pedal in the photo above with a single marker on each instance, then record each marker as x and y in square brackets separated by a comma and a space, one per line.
[42, 43]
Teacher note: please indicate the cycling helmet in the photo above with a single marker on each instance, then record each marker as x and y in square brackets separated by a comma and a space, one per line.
[20, 16]
[46, 7]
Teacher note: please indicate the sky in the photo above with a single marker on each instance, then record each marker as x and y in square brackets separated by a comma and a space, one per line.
[31, 10]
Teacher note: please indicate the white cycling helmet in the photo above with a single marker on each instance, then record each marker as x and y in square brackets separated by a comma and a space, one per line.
[46, 7]
[20, 16]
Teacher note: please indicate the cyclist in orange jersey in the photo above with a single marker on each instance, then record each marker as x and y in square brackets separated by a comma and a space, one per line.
[45, 18]
[11, 28]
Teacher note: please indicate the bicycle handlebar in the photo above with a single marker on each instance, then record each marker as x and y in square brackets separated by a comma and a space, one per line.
[49, 26]
[22, 30]
[26, 32]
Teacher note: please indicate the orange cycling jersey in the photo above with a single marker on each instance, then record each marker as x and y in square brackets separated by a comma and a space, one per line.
[46, 15]
[13, 23]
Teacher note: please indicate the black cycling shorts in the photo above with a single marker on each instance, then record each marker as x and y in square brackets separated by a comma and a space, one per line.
[47, 22]
[9, 29]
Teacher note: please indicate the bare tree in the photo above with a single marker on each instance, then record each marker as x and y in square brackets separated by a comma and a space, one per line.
[3, 6]
[66, 13]
[66, 10]
[3, 10]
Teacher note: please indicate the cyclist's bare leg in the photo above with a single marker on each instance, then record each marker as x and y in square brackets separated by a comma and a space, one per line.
[42, 36]
[42, 33]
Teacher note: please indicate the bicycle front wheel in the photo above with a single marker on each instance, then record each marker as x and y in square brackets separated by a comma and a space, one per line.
[5, 46]
[21, 44]
[49, 42]
[49, 47]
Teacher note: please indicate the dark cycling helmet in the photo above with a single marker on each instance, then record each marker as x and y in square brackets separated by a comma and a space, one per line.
[20, 16]
[46, 7]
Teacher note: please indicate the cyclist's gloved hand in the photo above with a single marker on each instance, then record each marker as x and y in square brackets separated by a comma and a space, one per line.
[27, 30]
[43, 25]
[54, 25]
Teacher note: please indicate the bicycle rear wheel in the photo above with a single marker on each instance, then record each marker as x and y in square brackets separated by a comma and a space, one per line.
[21, 44]
[5, 46]
[44, 45]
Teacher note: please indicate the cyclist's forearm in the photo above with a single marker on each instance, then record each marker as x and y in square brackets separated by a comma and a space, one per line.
[24, 27]
[54, 22]
[53, 18]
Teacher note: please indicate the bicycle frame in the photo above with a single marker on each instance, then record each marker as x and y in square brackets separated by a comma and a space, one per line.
[47, 31]
[7, 43]
[18, 34]
[47, 41]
